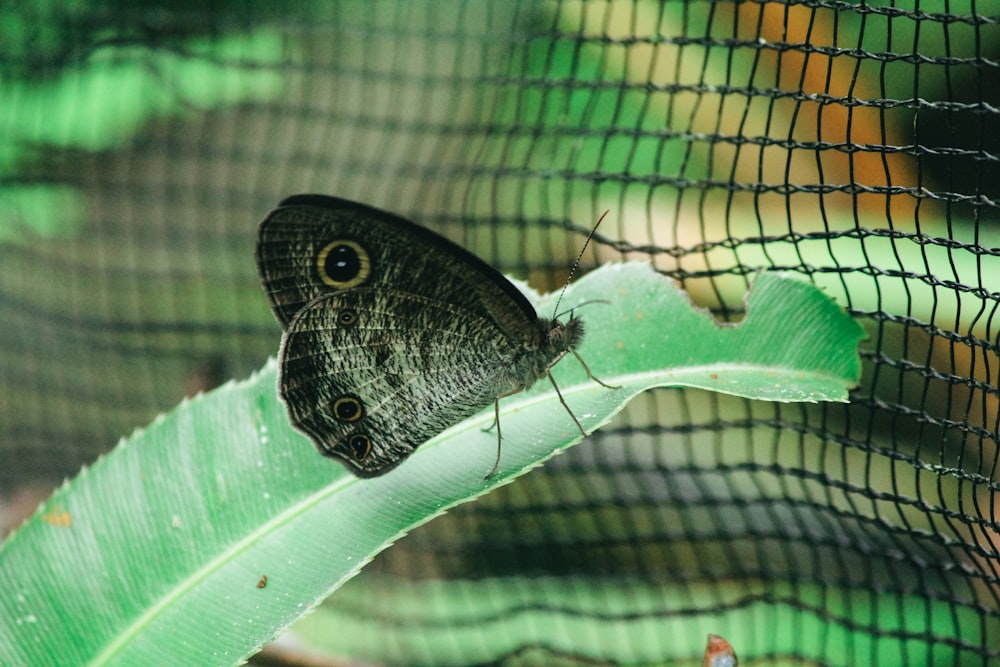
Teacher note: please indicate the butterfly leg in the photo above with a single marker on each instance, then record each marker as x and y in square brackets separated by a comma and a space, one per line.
[496, 415]
[589, 374]
[493, 423]
[563, 401]
[496, 422]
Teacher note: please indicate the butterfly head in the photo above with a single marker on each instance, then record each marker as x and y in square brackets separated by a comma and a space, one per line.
[564, 337]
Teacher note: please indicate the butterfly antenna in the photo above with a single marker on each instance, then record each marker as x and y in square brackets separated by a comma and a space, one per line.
[579, 257]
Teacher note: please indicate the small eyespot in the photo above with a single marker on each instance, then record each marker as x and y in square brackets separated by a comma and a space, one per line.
[360, 446]
[343, 264]
[348, 408]
[347, 317]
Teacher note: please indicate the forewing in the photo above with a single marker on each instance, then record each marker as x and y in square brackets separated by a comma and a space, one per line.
[400, 255]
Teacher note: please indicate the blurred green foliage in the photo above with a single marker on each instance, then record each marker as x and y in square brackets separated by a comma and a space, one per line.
[89, 76]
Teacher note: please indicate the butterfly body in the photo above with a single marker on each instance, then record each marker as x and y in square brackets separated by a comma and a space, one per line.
[392, 333]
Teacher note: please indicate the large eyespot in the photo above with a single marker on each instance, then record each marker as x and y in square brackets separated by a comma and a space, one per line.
[343, 264]
[347, 317]
[348, 408]
[360, 445]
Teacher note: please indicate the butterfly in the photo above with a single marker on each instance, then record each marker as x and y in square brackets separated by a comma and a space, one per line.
[392, 333]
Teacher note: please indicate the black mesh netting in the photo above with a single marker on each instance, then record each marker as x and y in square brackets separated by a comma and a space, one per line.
[855, 144]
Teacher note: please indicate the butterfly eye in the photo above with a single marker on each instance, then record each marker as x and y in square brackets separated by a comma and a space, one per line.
[343, 264]
[360, 445]
[348, 408]
[347, 317]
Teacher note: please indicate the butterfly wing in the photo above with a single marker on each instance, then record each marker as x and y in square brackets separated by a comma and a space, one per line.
[312, 245]
[371, 373]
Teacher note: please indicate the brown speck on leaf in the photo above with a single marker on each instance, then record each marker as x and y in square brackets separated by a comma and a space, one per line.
[58, 517]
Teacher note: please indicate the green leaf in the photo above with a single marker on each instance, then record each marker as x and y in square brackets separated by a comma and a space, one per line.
[159, 548]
